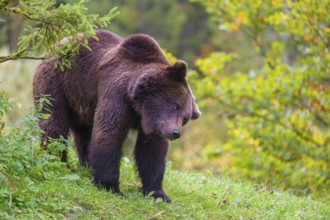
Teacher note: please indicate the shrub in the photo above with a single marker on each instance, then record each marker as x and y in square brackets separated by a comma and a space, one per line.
[278, 114]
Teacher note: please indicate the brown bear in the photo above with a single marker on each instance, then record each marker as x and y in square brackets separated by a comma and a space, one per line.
[121, 84]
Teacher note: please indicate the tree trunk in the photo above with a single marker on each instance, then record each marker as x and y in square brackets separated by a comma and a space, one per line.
[14, 28]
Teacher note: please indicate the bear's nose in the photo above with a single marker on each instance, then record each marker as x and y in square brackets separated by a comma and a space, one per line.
[176, 134]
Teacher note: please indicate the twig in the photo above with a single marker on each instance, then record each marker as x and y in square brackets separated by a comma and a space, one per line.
[277, 120]
[316, 30]
[252, 35]
[17, 56]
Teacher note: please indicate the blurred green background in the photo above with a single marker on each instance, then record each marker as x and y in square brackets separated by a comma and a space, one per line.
[259, 70]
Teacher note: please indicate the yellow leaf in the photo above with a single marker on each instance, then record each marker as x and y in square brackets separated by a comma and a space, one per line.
[242, 18]
[237, 132]
[250, 141]
[170, 56]
[159, 213]
[246, 135]
[276, 3]
[307, 38]
[45, 116]
[284, 17]
[275, 102]
[318, 137]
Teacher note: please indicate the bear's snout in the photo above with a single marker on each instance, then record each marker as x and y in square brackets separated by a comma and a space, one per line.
[176, 134]
[172, 134]
[169, 130]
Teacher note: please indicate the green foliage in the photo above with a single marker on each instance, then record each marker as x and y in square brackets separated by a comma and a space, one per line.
[50, 24]
[5, 107]
[34, 184]
[278, 115]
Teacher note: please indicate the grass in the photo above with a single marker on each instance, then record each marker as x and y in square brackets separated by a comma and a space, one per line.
[34, 184]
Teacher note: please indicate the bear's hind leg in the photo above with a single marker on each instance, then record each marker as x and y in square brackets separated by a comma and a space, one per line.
[82, 138]
[55, 127]
[47, 83]
[150, 156]
[58, 123]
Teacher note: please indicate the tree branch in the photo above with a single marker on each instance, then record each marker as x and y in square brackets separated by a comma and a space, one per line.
[313, 27]
[19, 56]
[276, 119]
[253, 35]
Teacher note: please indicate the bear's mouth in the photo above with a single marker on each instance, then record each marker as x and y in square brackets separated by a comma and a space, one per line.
[168, 135]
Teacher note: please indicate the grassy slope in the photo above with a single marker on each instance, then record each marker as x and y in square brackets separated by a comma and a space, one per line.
[194, 197]
[34, 184]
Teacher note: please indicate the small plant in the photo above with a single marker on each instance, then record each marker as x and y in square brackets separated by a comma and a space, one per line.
[5, 106]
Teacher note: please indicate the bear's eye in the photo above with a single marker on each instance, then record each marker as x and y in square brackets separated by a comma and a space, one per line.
[176, 107]
[185, 120]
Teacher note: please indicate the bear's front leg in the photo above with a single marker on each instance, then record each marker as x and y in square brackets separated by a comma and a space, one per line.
[150, 156]
[105, 150]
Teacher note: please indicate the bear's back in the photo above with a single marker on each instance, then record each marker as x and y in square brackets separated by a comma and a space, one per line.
[80, 82]
[105, 40]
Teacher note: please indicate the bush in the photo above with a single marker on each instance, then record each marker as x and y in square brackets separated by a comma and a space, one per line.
[278, 115]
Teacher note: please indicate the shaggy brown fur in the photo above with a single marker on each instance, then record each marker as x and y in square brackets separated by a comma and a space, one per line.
[122, 84]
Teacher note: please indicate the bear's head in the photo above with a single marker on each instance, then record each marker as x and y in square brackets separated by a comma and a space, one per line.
[160, 93]
[164, 101]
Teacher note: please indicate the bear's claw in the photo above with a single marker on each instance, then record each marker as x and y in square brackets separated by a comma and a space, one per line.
[159, 194]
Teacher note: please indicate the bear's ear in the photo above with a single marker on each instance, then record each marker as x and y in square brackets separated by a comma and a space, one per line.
[195, 112]
[178, 71]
